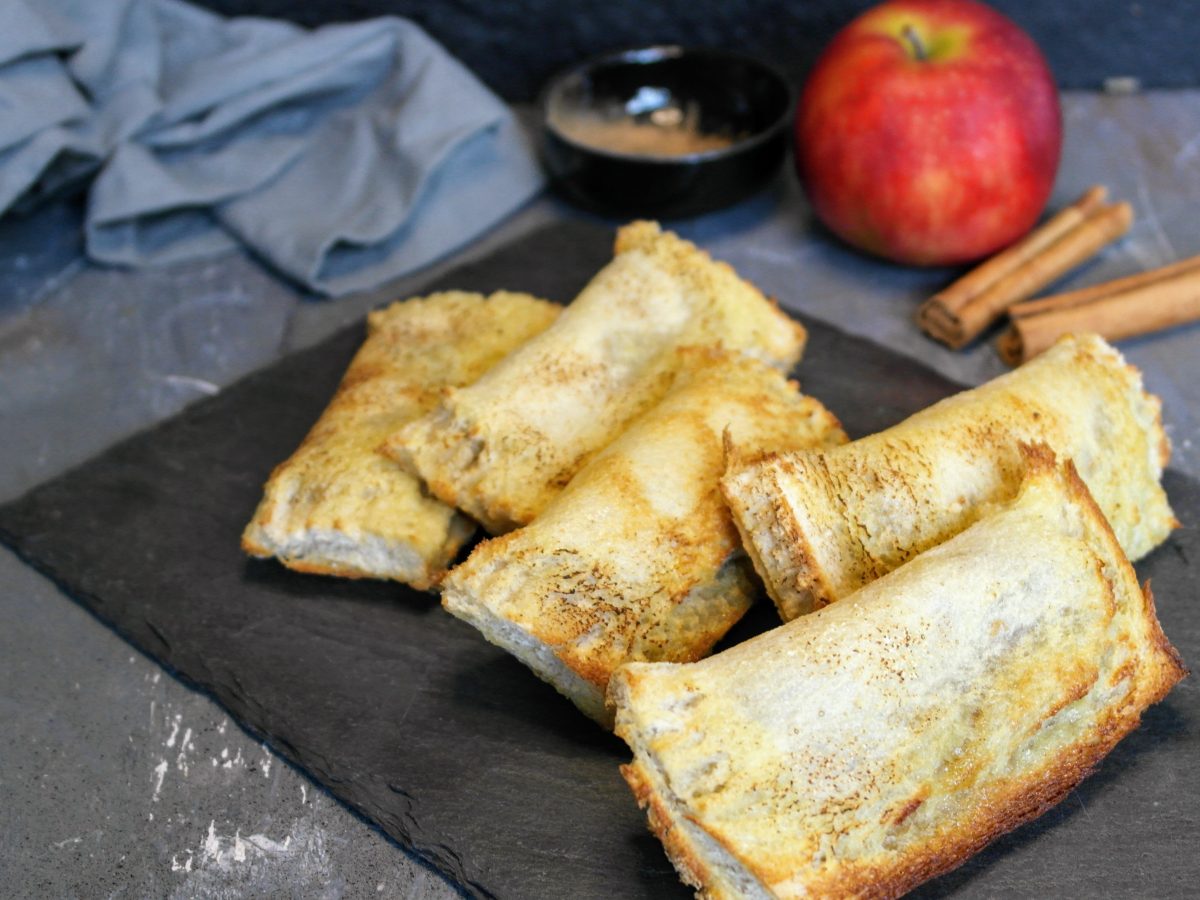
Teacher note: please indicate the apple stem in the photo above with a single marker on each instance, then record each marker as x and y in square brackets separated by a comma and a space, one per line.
[914, 39]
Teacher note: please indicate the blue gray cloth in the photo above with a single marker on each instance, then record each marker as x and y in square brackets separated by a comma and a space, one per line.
[343, 156]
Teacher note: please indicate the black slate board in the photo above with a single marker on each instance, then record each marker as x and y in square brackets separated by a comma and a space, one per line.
[450, 746]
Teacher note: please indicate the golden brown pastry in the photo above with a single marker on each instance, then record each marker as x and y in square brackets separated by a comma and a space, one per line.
[338, 506]
[502, 448]
[638, 559]
[821, 525]
[880, 741]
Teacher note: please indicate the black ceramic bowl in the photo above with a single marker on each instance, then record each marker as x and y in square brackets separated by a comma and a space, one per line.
[665, 131]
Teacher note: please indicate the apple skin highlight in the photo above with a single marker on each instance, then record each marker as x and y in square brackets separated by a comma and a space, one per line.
[929, 132]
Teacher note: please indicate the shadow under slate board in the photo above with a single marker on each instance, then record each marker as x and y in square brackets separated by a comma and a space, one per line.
[449, 745]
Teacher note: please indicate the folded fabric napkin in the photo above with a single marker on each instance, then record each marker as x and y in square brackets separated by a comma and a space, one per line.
[343, 156]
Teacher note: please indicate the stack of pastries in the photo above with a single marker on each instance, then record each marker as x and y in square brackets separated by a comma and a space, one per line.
[965, 637]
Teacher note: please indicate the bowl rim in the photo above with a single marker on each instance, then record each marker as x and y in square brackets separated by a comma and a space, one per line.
[652, 53]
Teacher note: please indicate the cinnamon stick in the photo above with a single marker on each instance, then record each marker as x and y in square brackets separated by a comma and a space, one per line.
[960, 313]
[939, 315]
[1150, 302]
[991, 271]
[1096, 291]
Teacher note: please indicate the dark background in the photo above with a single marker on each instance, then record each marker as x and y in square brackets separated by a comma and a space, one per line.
[514, 45]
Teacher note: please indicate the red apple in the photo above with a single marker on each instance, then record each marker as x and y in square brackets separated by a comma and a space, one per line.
[929, 132]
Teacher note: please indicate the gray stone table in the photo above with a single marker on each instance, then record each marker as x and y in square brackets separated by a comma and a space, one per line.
[117, 781]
